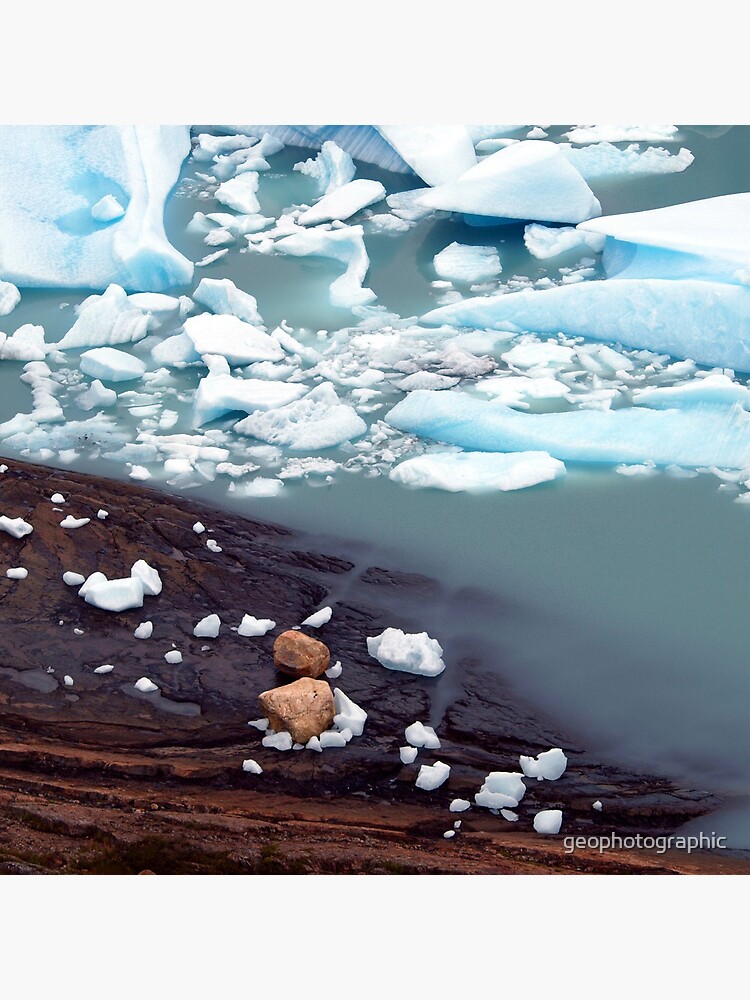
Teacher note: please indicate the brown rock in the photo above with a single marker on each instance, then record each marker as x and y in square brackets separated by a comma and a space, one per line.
[303, 709]
[299, 655]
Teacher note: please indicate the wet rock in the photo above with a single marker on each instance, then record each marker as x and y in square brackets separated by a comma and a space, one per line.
[303, 709]
[299, 655]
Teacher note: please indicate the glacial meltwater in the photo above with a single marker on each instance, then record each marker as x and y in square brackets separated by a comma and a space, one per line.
[614, 601]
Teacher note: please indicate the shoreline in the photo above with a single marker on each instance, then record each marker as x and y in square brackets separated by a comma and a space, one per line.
[57, 745]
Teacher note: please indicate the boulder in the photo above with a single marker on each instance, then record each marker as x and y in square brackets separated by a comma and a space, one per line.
[299, 655]
[303, 708]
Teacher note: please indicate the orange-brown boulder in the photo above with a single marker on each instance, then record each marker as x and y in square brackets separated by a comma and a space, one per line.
[303, 708]
[299, 655]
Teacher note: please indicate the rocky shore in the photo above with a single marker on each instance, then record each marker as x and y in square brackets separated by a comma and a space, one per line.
[98, 777]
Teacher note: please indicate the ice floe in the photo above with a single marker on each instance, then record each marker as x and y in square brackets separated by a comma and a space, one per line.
[221, 295]
[332, 168]
[220, 392]
[408, 754]
[250, 766]
[467, 264]
[545, 242]
[111, 365]
[343, 202]
[413, 653]
[9, 297]
[345, 245]
[475, 472]
[236, 340]
[319, 420]
[145, 686]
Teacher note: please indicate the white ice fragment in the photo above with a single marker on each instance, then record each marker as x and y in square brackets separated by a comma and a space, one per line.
[345, 245]
[336, 670]
[549, 765]
[251, 767]
[17, 573]
[413, 653]
[208, 627]
[68, 681]
[436, 153]
[467, 264]
[317, 421]
[348, 714]
[475, 472]
[97, 396]
[508, 814]
[73, 579]
[74, 522]
[240, 193]
[112, 595]
[422, 736]
[332, 739]
[112, 365]
[500, 790]
[148, 576]
[261, 724]
[237, 340]
[102, 514]
[15, 526]
[332, 168]
[9, 297]
[105, 668]
[449, 834]
[107, 209]
[343, 202]
[213, 546]
[596, 806]
[221, 295]
[544, 242]
[109, 318]
[319, 618]
[198, 528]
[173, 656]
[548, 821]
[220, 392]
[459, 805]
[144, 630]
[278, 741]
[407, 754]
[250, 626]
[432, 776]
[145, 686]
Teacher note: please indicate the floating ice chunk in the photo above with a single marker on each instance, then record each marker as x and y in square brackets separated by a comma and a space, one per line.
[221, 295]
[109, 318]
[26, 344]
[407, 754]
[219, 393]
[208, 627]
[262, 487]
[437, 153]
[74, 522]
[250, 626]
[210, 146]
[111, 365]
[17, 573]
[50, 177]
[713, 390]
[348, 715]
[549, 765]
[419, 735]
[647, 469]
[321, 617]
[105, 668]
[15, 526]
[693, 437]
[97, 396]
[426, 380]
[459, 805]
[319, 420]
[9, 297]
[500, 790]
[343, 202]
[413, 653]
[596, 806]
[240, 193]
[332, 168]
[432, 776]
[211, 258]
[173, 656]
[467, 264]
[107, 209]
[346, 245]
[363, 142]
[237, 341]
[198, 528]
[583, 134]
[602, 159]
[544, 242]
[148, 576]
[528, 180]
[73, 579]
[144, 631]
[548, 821]
[140, 472]
[475, 472]
[112, 595]
[278, 741]
[251, 767]
[335, 671]
[145, 686]
[531, 355]
[516, 390]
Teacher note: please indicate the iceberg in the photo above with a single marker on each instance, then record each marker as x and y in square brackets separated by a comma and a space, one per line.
[475, 472]
[467, 264]
[319, 420]
[332, 168]
[110, 318]
[696, 436]
[51, 177]
[239, 342]
[221, 295]
[528, 180]
[436, 153]
[111, 365]
[346, 245]
[344, 202]
[220, 392]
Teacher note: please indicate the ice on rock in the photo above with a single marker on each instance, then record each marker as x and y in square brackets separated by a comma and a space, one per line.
[418, 735]
[251, 767]
[239, 342]
[107, 209]
[9, 297]
[219, 393]
[240, 193]
[145, 686]
[692, 437]
[528, 180]
[149, 577]
[596, 806]
[408, 754]
[198, 528]
[17, 573]
[343, 202]
[548, 766]
[102, 514]
[261, 724]
[348, 715]
[436, 153]
[221, 295]
[319, 420]
[501, 790]
[112, 595]
[208, 627]
[332, 739]
[332, 168]
[278, 741]
[250, 626]
[346, 245]
[50, 179]
[105, 668]
[144, 631]
[71, 522]
[73, 579]
[544, 242]
[96, 397]
[413, 653]
[475, 472]
[548, 821]
[467, 264]
[26, 344]
[111, 365]
[432, 776]
[319, 618]
[173, 656]
[334, 671]
[68, 681]
[459, 805]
